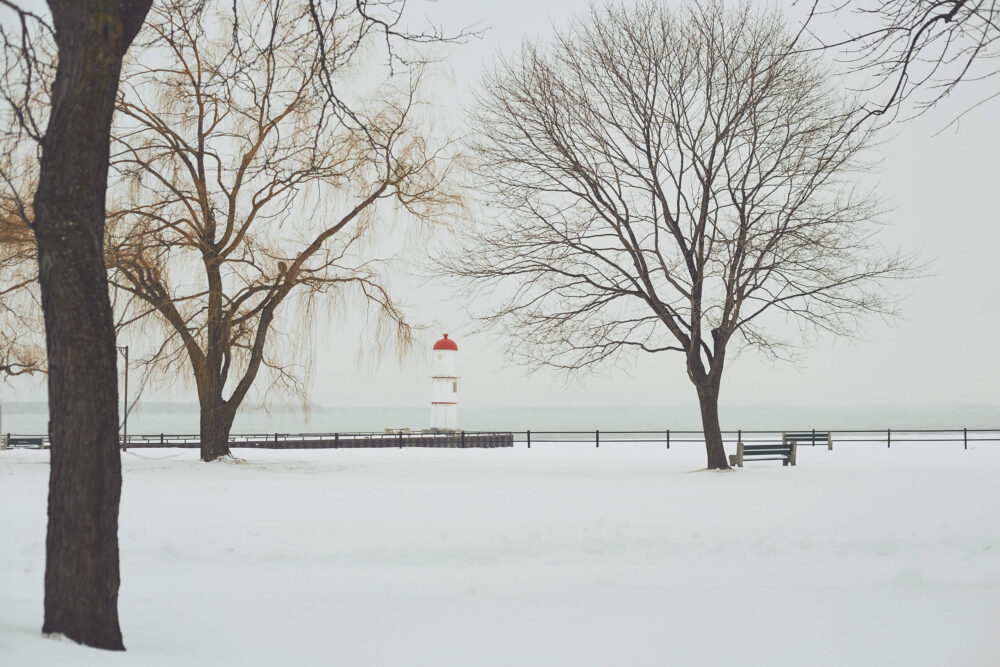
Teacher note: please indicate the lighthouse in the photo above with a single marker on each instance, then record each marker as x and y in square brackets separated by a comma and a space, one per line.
[444, 385]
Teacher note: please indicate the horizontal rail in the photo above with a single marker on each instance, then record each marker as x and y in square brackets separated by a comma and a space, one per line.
[888, 437]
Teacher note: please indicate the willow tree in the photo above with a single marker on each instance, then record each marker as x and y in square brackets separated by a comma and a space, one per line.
[671, 181]
[22, 343]
[22, 337]
[246, 195]
[72, 130]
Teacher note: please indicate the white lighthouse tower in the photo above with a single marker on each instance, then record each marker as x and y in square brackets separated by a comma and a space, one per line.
[444, 385]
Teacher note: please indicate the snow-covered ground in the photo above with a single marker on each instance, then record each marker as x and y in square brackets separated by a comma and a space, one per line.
[559, 555]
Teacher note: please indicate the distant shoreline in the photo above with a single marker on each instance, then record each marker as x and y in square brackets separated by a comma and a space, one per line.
[182, 417]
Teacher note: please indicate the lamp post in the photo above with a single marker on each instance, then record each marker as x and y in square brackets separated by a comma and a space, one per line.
[124, 350]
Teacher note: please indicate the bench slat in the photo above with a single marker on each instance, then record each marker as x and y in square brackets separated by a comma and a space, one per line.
[25, 442]
[765, 451]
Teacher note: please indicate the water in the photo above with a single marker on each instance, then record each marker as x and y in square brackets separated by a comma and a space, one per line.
[151, 418]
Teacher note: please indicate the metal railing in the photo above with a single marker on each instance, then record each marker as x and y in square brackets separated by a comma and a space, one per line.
[597, 437]
[335, 440]
[887, 436]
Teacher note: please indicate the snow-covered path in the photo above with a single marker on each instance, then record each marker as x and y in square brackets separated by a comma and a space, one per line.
[559, 555]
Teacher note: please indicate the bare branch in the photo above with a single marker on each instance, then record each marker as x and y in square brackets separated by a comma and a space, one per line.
[240, 209]
[917, 51]
[666, 181]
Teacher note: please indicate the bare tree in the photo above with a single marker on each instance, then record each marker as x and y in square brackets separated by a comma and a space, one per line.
[911, 50]
[90, 38]
[20, 313]
[21, 341]
[24, 86]
[246, 199]
[73, 131]
[670, 182]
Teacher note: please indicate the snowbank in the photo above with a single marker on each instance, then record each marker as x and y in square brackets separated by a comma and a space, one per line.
[561, 554]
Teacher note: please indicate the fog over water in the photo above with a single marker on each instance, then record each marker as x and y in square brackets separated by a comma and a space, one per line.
[180, 419]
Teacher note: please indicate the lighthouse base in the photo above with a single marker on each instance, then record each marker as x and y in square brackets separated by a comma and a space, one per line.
[444, 416]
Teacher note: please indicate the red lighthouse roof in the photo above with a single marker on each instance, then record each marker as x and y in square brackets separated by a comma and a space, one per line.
[446, 344]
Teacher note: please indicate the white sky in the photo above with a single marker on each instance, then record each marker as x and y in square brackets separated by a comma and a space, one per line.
[943, 189]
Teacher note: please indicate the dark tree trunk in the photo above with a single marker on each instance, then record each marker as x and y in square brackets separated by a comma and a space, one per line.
[81, 549]
[216, 423]
[708, 401]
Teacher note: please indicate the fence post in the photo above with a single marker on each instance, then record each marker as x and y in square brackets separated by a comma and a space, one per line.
[400, 439]
[597, 438]
[336, 440]
[668, 438]
[888, 438]
[529, 438]
[814, 438]
[161, 440]
[965, 437]
[463, 438]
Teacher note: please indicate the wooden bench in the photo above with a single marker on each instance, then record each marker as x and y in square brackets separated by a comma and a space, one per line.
[22, 441]
[808, 438]
[764, 451]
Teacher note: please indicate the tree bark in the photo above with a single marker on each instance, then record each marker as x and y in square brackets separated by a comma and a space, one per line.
[708, 401]
[216, 423]
[81, 550]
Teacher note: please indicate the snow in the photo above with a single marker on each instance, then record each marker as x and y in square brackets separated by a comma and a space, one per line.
[561, 554]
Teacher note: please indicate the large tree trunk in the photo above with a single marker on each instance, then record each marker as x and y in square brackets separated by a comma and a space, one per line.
[708, 401]
[81, 550]
[216, 423]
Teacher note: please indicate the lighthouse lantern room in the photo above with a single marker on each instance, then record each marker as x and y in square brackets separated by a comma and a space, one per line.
[444, 386]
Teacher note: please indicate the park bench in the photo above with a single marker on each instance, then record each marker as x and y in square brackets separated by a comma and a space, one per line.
[764, 451]
[808, 438]
[37, 442]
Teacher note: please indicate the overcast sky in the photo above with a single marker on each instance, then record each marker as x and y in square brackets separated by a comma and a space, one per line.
[943, 190]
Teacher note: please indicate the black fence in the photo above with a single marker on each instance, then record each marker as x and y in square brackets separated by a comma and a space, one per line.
[804, 437]
[488, 439]
[440, 439]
